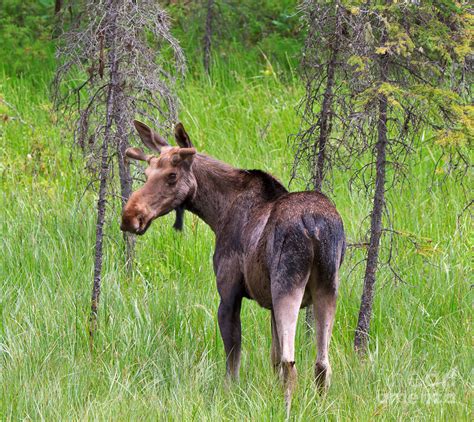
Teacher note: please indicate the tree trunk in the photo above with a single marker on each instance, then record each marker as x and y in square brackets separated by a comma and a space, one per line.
[125, 192]
[326, 114]
[365, 313]
[208, 37]
[57, 6]
[125, 177]
[325, 129]
[104, 174]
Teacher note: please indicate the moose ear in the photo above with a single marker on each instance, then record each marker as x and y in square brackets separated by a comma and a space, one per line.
[149, 137]
[182, 138]
[137, 154]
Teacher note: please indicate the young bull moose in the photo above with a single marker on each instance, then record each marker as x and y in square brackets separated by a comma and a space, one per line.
[280, 249]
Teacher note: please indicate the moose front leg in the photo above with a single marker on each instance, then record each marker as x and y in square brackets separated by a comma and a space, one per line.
[229, 324]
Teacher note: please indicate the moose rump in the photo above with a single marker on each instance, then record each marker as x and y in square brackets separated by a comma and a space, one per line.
[300, 243]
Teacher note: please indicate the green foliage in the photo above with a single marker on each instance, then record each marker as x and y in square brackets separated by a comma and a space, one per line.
[461, 135]
[246, 34]
[158, 353]
[25, 31]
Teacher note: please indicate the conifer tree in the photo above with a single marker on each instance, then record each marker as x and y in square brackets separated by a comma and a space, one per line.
[117, 61]
[405, 73]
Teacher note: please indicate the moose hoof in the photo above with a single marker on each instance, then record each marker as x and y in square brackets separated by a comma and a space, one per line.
[322, 373]
[288, 376]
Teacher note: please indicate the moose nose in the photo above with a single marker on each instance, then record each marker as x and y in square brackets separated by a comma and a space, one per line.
[127, 225]
[134, 224]
[123, 226]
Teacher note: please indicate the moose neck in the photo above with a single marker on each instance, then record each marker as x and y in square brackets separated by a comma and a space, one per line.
[218, 185]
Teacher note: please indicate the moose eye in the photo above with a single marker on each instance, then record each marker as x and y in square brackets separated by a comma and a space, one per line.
[172, 178]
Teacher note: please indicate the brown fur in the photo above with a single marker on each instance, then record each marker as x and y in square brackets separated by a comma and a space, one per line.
[280, 249]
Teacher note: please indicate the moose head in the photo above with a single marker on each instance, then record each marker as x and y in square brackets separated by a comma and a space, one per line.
[169, 178]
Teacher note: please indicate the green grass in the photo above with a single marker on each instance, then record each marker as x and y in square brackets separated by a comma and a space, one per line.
[158, 352]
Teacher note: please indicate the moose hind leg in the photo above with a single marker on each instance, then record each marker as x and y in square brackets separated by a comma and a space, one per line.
[324, 305]
[286, 310]
[275, 351]
[230, 327]
[287, 295]
[290, 269]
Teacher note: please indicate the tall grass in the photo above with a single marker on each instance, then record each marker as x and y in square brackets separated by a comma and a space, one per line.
[158, 354]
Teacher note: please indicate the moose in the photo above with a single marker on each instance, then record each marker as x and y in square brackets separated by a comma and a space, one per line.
[281, 249]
